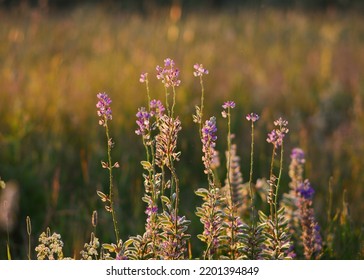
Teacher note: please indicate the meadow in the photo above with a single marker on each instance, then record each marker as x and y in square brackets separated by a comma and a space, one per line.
[304, 67]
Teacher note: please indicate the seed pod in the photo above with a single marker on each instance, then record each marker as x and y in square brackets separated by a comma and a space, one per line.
[94, 218]
[29, 226]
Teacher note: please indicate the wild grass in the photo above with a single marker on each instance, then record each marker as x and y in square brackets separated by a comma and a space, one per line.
[304, 67]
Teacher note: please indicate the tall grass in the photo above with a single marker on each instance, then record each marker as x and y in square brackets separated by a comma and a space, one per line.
[306, 67]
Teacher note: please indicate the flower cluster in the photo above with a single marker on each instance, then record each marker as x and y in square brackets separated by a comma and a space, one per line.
[168, 74]
[90, 249]
[311, 238]
[104, 110]
[143, 77]
[208, 143]
[166, 141]
[252, 117]
[156, 108]
[276, 135]
[305, 190]
[199, 70]
[298, 155]
[50, 246]
[224, 211]
[143, 122]
[227, 106]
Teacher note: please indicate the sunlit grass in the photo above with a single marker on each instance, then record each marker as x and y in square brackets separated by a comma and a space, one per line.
[306, 67]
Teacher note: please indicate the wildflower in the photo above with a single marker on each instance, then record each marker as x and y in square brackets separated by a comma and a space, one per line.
[200, 71]
[208, 143]
[143, 77]
[305, 190]
[238, 191]
[227, 105]
[143, 122]
[104, 110]
[90, 249]
[276, 135]
[252, 117]
[168, 74]
[50, 246]
[166, 141]
[298, 155]
[311, 238]
[296, 169]
[156, 108]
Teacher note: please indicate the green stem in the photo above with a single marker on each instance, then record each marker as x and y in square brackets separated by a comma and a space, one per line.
[277, 186]
[148, 93]
[202, 105]
[270, 178]
[111, 190]
[174, 101]
[251, 173]
[228, 158]
[232, 208]
[167, 103]
[176, 180]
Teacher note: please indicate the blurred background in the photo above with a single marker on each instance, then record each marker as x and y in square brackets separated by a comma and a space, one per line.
[302, 60]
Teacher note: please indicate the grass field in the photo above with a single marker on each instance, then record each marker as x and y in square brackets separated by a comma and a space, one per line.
[308, 68]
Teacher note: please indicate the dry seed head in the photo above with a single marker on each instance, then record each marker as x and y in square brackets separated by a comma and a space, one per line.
[29, 226]
[94, 218]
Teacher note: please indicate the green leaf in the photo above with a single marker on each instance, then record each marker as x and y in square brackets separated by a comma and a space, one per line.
[8, 251]
[146, 165]
[165, 199]
[109, 247]
[128, 242]
[201, 237]
[102, 196]
[262, 216]
[202, 192]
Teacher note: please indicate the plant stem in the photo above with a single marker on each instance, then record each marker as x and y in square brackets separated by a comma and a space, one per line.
[228, 158]
[202, 105]
[270, 178]
[111, 190]
[174, 101]
[277, 187]
[251, 173]
[167, 103]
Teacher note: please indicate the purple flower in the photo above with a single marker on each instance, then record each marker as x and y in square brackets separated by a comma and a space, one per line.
[200, 71]
[151, 210]
[274, 138]
[103, 106]
[208, 143]
[143, 122]
[252, 117]
[143, 77]
[280, 122]
[156, 108]
[305, 190]
[276, 135]
[298, 155]
[228, 104]
[208, 131]
[168, 74]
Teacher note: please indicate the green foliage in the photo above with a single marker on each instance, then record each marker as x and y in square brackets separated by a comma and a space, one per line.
[277, 243]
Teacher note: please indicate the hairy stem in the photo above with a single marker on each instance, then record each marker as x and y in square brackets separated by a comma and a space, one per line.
[202, 105]
[111, 190]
